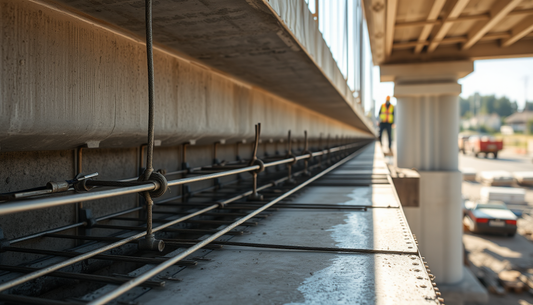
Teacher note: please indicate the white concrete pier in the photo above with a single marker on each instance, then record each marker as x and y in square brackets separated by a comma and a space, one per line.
[427, 130]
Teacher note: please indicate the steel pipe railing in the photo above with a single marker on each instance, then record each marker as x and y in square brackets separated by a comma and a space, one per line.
[41, 203]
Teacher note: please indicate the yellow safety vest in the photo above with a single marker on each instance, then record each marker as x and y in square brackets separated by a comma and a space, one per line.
[387, 114]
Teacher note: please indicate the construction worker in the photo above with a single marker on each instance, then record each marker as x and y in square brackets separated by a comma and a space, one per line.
[386, 119]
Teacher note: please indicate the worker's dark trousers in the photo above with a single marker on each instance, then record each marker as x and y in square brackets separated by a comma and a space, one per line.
[387, 127]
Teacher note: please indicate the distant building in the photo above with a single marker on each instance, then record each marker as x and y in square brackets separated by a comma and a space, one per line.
[492, 121]
[519, 120]
[506, 130]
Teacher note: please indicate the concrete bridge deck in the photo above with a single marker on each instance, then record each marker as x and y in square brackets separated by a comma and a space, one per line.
[393, 273]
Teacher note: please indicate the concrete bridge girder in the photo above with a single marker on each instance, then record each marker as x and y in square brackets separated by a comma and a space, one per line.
[67, 81]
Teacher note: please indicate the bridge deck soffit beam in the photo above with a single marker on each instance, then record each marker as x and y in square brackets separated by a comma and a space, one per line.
[497, 13]
[462, 18]
[392, 5]
[525, 32]
[519, 31]
[433, 15]
[455, 10]
[440, 30]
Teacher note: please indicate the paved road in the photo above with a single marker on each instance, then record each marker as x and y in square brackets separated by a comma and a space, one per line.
[498, 252]
[507, 160]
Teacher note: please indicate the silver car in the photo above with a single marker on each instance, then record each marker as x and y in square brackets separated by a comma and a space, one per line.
[490, 217]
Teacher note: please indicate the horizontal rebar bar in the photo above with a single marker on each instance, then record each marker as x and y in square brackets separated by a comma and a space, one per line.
[141, 228]
[83, 276]
[28, 237]
[318, 207]
[20, 299]
[215, 222]
[119, 213]
[211, 214]
[200, 204]
[295, 247]
[118, 258]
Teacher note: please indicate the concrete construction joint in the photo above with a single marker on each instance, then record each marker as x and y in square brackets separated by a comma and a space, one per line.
[429, 89]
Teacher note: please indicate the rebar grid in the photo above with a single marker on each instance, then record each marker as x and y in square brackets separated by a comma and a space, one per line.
[147, 275]
[126, 190]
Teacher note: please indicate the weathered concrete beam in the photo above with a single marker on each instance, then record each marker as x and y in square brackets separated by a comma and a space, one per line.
[66, 81]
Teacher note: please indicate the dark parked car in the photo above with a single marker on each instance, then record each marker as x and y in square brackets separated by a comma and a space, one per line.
[491, 217]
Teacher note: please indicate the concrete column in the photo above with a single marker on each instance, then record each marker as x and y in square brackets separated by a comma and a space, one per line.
[427, 127]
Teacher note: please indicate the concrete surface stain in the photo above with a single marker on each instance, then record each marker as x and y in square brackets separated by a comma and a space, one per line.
[360, 196]
[345, 281]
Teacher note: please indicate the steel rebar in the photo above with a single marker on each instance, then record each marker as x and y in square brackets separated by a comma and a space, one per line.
[297, 247]
[149, 274]
[40, 203]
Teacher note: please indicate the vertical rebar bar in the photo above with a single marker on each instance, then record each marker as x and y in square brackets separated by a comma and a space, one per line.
[215, 153]
[289, 165]
[237, 157]
[255, 161]
[184, 166]
[328, 147]
[141, 158]
[289, 150]
[306, 151]
[254, 156]
[320, 148]
[79, 168]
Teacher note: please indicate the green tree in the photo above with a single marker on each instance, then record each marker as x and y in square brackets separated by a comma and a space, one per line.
[489, 104]
[464, 106]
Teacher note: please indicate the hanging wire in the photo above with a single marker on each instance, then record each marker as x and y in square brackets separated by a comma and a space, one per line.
[150, 242]
[150, 60]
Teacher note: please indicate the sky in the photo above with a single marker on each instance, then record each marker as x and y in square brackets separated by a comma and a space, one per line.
[339, 23]
[501, 77]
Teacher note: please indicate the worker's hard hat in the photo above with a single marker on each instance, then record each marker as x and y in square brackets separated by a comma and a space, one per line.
[388, 98]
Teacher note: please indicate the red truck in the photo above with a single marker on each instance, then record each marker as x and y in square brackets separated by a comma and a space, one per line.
[482, 145]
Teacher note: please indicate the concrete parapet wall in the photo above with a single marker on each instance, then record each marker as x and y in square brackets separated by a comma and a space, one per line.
[65, 81]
